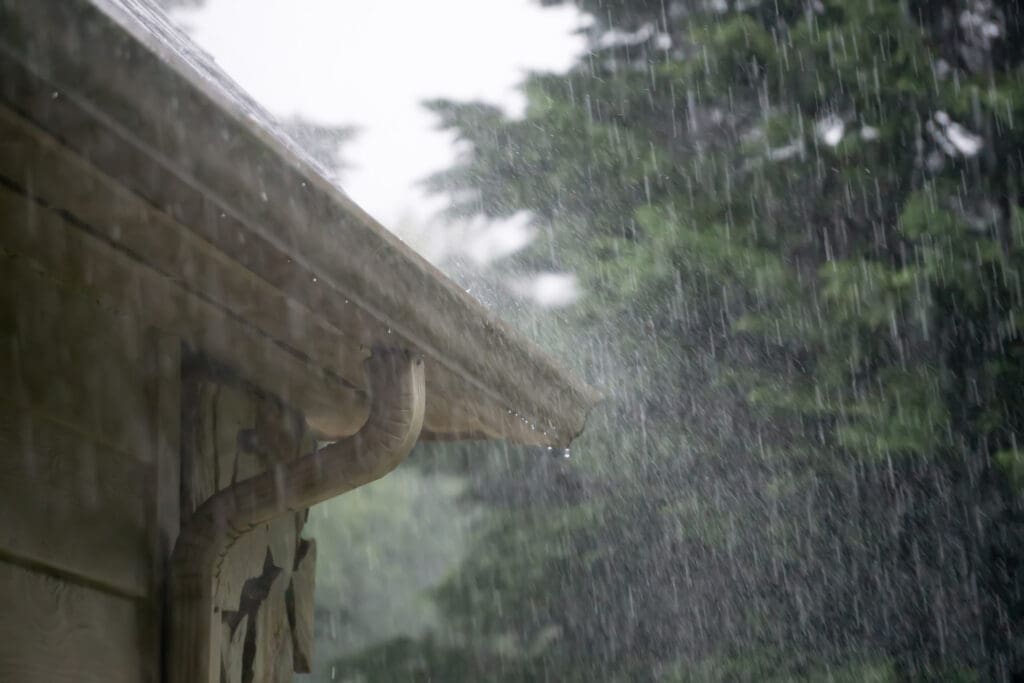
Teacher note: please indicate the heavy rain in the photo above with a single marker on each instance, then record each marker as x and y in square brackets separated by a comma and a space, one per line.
[782, 240]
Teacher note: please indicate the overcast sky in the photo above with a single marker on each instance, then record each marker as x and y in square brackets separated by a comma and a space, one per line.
[370, 64]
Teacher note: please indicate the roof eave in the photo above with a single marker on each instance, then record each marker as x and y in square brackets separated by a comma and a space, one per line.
[206, 145]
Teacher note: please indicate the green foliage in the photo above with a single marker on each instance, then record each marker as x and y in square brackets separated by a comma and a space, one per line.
[372, 571]
[803, 300]
[1011, 462]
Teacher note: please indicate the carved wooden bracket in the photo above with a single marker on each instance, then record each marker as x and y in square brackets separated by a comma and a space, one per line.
[241, 575]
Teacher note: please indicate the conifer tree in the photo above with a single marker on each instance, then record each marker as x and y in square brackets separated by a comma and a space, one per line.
[798, 228]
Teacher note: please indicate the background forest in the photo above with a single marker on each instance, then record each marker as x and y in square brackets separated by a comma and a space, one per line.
[797, 227]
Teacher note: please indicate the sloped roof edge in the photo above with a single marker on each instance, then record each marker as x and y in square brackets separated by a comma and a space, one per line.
[122, 67]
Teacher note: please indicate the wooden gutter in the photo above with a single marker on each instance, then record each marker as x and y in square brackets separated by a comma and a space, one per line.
[135, 98]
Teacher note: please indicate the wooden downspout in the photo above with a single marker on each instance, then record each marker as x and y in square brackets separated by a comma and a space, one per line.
[396, 388]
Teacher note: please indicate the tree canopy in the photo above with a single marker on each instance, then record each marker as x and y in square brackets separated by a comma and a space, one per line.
[798, 230]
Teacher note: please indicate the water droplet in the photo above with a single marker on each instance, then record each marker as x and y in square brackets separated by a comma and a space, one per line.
[565, 454]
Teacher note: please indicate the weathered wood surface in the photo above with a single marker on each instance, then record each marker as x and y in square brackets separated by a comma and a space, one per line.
[163, 385]
[232, 648]
[241, 564]
[196, 149]
[88, 440]
[52, 631]
[218, 417]
[72, 504]
[459, 408]
[232, 432]
[273, 661]
[69, 358]
[162, 362]
[63, 180]
[303, 608]
[396, 417]
[246, 558]
[31, 234]
[76, 445]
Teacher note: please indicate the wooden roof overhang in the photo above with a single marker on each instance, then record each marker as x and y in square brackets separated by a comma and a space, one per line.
[281, 275]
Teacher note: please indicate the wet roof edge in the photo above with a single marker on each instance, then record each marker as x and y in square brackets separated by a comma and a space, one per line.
[122, 66]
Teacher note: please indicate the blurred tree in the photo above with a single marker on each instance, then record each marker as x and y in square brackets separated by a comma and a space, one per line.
[798, 227]
[324, 143]
[373, 568]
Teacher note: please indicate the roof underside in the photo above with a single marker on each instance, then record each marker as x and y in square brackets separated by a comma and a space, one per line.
[134, 98]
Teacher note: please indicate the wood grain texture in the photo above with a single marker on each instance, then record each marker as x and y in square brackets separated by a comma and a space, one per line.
[77, 445]
[68, 357]
[232, 646]
[64, 180]
[164, 384]
[273, 657]
[219, 415]
[397, 399]
[303, 606]
[276, 215]
[56, 632]
[40, 242]
[242, 562]
[72, 504]
[234, 432]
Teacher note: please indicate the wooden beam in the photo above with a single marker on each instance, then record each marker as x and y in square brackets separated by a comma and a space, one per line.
[70, 256]
[53, 631]
[53, 174]
[72, 504]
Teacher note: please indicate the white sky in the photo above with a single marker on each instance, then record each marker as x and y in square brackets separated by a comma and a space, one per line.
[370, 63]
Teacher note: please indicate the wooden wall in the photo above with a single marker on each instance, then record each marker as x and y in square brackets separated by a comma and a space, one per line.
[116, 421]
[88, 434]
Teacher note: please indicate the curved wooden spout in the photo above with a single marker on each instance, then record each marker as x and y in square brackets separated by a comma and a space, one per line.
[396, 417]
